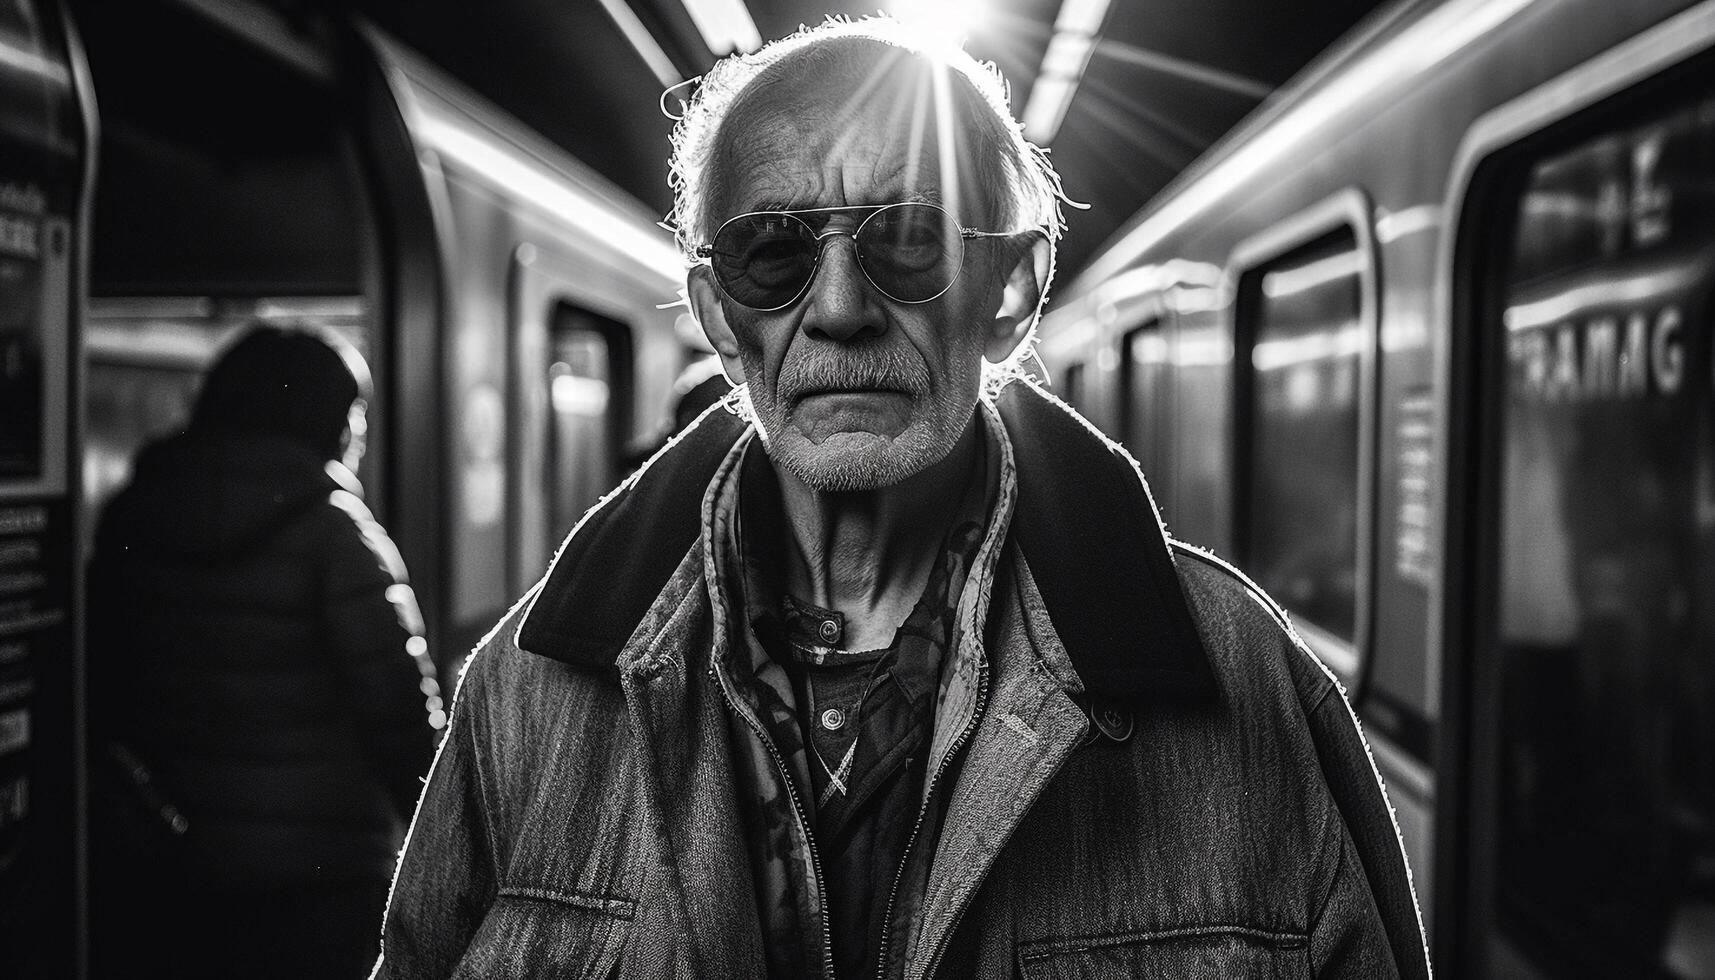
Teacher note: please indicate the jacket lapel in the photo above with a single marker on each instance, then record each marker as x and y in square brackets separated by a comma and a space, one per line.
[1028, 730]
[688, 763]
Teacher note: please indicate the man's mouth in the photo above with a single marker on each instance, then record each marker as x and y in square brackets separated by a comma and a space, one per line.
[850, 391]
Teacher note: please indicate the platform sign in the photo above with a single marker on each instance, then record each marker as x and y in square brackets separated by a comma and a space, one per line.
[41, 176]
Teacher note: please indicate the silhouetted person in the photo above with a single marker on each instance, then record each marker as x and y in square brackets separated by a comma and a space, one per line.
[254, 644]
[701, 384]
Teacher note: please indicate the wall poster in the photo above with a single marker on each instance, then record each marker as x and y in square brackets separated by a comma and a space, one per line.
[42, 146]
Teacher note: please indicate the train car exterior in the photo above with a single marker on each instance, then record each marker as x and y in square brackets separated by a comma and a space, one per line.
[514, 306]
[1425, 347]
[556, 352]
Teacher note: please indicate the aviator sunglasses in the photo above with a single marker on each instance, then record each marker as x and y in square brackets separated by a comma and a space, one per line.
[911, 252]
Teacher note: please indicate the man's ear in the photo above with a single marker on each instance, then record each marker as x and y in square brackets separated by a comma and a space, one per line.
[705, 299]
[1032, 266]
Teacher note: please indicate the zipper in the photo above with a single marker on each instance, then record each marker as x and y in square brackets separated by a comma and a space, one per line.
[917, 828]
[803, 825]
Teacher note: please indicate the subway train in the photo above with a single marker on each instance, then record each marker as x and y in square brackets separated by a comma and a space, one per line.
[1425, 347]
[243, 164]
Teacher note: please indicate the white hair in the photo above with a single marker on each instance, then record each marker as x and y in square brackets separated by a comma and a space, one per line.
[1028, 188]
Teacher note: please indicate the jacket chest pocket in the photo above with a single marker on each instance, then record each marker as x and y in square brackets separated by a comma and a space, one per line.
[1198, 953]
[538, 932]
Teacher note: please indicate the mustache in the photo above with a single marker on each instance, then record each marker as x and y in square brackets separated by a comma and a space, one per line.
[868, 367]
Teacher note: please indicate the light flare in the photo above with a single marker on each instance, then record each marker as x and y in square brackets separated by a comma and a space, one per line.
[939, 22]
[946, 133]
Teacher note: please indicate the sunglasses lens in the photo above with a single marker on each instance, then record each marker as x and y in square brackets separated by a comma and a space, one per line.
[764, 260]
[911, 252]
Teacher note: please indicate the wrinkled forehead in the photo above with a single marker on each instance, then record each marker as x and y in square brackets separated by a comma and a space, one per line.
[857, 123]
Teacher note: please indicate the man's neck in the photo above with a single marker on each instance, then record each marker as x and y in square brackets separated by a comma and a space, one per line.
[869, 553]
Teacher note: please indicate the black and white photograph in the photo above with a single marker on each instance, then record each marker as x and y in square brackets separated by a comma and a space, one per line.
[857, 489]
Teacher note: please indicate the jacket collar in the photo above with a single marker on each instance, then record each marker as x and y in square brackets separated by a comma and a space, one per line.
[1084, 521]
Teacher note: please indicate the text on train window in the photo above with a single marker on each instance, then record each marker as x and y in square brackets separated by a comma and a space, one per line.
[1604, 575]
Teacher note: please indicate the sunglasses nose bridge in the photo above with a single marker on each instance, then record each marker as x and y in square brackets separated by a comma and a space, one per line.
[855, 258]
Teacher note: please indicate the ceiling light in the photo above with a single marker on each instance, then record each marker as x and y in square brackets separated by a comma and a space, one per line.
[1081, 16]
[642, 42]
[947, 21]
[1076, 28]
[1067, 55]
[1050, 97]
[725, 25]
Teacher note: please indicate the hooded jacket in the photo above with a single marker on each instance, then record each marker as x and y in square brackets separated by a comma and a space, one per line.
[1152, 777]
[251, 640]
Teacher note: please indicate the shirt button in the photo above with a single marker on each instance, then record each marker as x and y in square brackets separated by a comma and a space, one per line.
[830, 631]
[833, 719]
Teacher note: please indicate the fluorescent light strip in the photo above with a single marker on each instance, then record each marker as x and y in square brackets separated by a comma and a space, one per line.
[1408, 221]
[1630, 293]
[1063, 65]
[1067, 55]
[1344, 340]
[1289, 282]
[1050, 97]
[642, 42]
[1081, 16]
[534, 183]
[725, 25]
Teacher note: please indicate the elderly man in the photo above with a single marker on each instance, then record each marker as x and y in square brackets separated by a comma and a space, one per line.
[891, 670]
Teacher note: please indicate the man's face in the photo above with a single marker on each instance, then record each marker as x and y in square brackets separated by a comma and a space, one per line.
[854, 390]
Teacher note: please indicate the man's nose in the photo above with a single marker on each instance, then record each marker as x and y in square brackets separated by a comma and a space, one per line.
[843, 304]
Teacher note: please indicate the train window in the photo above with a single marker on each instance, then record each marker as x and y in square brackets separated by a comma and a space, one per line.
[1302, 342]
[1600, 639]
[1072, 386]
[588, 392]
[1143, 387]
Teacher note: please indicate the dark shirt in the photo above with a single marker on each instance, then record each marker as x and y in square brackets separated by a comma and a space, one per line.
[866, 716]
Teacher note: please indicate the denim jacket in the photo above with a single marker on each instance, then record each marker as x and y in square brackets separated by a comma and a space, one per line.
[580, 820]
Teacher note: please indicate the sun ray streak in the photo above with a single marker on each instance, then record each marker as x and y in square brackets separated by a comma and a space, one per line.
[914, 149]
[1135, 107]
[945, 134]
[854, 104]
[1115, 124]
[1191, 71]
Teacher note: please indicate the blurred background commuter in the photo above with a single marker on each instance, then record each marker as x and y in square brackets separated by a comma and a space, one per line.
[698, 386]
[258, 682]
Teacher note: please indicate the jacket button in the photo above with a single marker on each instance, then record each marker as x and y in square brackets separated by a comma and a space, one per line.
[833, 719]
[1114, 723]
[830, 631]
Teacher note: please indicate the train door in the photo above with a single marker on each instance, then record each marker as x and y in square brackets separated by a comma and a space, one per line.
[1304, 378]
[1146, 399]
[574, 378]
[44, 147]
[1585, 663]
